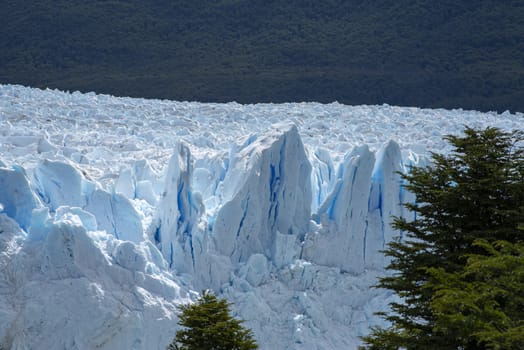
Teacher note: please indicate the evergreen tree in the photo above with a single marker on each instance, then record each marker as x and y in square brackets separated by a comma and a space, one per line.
[484, 303]
[208, 325]
[475, 192]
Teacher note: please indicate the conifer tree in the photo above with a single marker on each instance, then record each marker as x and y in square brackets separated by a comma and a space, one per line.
[208, 325]
[475, 192]
[483, 305]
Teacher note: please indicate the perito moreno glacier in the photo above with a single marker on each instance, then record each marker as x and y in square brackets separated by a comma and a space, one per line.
[115, 210]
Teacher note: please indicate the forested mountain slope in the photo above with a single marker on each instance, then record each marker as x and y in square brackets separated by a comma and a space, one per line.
[467, 54]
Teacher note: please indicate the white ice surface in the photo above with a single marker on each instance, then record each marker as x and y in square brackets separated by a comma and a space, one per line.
[113, 210]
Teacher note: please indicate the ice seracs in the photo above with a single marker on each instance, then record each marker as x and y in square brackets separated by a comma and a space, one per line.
[266, 199]
[344, 215]
[385, 203]
[60, 184]
[17, 200]
[175, 227]
[139, 182]
[113, 210]
[115, 214]
[322, 176]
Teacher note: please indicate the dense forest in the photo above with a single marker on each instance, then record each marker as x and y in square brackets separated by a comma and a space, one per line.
[467, 54]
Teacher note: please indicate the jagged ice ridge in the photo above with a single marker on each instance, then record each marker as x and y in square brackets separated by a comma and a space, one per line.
[115, 210]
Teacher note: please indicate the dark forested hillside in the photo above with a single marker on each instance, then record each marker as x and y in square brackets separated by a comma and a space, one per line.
[427, 53]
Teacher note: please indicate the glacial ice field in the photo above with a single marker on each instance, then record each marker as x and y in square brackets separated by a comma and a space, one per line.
[115, 210]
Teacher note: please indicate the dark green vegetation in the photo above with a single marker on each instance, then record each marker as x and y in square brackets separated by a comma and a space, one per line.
[426, 53]
[485, 301]
[209, 326]
[460, 265]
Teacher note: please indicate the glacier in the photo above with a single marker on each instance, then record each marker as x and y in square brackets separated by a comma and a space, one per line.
[113, 211]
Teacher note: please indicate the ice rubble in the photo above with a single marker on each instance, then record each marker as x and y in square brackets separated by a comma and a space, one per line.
[97, 256]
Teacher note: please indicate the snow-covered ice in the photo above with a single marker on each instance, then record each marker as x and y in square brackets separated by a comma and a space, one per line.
[115, 210]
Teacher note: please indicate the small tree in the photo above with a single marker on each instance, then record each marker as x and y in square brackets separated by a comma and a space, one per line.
[208, 325]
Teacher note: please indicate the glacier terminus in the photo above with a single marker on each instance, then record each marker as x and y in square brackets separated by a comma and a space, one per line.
[113, 211]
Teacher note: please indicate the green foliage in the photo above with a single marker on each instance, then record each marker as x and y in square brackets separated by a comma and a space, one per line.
[208, 325]
[425, 53]
[483, 304]
[476, 192]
